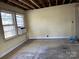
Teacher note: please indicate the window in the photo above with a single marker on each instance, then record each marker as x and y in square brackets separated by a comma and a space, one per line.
[13, 24]
[8, 25]
[20, 23]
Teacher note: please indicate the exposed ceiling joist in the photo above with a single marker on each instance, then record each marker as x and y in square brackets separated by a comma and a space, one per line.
[16, 3]
[41, 2]
[24, 2]
[34, 3]
[63, 1]
[49, 2]
[56, 2]
[3, 0]
[70, 1]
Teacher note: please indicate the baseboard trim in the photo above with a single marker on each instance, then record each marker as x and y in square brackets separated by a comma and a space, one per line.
[51, 38]
[12, 48]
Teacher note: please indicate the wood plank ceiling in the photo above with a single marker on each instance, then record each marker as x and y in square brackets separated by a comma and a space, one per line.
[37, 4]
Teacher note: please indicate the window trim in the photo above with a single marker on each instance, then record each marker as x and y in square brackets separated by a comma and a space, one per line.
[23, 22]
[8, 25]
[14, 24]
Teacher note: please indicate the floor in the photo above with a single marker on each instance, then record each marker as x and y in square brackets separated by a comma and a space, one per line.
[33, 47]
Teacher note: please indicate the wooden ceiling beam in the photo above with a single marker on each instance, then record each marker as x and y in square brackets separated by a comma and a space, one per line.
[56, 2]
[24, 2]
[3, 0]
[41, 2]
[46, 3]
[49, 2]
[14, 2]
[63, 1]
[70, 1]
[32, 1]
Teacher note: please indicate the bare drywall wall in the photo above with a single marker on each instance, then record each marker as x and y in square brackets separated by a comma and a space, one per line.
[78, 24]
[54, 22]
[8, 45]
[77, 20]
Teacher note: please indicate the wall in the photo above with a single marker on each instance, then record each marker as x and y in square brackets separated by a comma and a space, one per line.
[56, 22]
[8, 45]
[78, 24]
[77, 20]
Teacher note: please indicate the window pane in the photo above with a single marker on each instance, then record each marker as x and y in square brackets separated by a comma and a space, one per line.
[6, 18]
[9, 31]
[20, 20]
[20, 24]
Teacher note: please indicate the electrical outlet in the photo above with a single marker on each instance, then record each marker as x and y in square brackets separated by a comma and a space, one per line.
[72, 21]
[47, 35]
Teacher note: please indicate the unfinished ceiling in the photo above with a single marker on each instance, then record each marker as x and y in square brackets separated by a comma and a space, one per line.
[36, 4]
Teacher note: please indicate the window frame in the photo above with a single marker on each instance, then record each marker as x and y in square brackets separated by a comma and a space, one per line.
[23, 22]
[14, 24]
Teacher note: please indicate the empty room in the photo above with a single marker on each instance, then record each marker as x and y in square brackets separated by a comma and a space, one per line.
[39, 29]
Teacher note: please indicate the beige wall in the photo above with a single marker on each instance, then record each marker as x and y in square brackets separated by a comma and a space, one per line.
[55, 22]
[7, 45]
[77, 20]
[78, 24]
